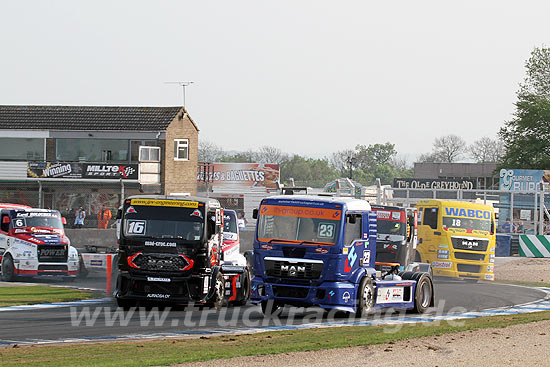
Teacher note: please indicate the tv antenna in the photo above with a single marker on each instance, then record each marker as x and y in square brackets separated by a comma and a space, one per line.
[183, 85]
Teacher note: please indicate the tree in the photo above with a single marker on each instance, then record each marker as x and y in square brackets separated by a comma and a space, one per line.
[527, 136]
[307, 171]
[486, 150]
[209, 152]
[342, 161]
[368, 158]
[537, 80]
[249, 156]
[449, 148]
[269, 154]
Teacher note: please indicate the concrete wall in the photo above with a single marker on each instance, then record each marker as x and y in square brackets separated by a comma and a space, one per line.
[100, 238]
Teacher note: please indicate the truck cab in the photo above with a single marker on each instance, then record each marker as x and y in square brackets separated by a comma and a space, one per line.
[396, 234]
[311, 250]
[170, 250]
[33, 243]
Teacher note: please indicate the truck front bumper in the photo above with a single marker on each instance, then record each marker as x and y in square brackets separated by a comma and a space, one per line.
[328, 295]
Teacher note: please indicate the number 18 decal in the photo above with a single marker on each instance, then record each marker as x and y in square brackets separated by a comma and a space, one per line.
[136, 227]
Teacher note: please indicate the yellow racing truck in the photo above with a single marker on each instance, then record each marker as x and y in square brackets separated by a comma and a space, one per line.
[457, 238]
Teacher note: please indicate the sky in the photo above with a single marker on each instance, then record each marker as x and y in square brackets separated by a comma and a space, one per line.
[308, 77]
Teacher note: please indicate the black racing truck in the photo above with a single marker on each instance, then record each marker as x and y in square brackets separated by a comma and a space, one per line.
[170, 250]
[397, 238]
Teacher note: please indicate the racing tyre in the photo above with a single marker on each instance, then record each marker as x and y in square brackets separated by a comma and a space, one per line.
[217, 298]
[8, 269]
[366, 297]
[423, 293]
[271, 308]
[245, 289]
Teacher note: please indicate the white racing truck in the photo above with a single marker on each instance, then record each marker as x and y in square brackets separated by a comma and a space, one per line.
[33, 243]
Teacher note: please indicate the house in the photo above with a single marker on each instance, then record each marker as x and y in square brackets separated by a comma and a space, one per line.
[62, 157]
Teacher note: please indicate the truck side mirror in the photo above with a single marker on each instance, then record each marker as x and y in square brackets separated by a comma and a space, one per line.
[351, 219]
[119, 214]
[255, 214]
[64, 221]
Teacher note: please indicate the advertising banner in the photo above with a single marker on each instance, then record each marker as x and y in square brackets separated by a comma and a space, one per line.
[77, 170]
[240, 175]
[435, 183]
[522, 179]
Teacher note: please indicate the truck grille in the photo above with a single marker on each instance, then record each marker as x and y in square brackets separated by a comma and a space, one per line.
[477, 244]
[290, 292]
[469, 256]
[160, 262]
[300, 270]
[52, 253]
[49, 267]
[468, 268]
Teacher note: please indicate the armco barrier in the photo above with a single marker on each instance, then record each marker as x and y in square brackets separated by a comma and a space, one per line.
[504, 242]
[534, 245]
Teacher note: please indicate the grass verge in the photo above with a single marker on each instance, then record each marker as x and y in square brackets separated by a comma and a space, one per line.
[527, 284]
[28, 295]
[167, 352]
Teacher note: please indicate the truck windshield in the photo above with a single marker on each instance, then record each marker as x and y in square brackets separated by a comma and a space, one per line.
[301, 224]
[386, 227]
[466, 224]
[164, 222]
[37, 220]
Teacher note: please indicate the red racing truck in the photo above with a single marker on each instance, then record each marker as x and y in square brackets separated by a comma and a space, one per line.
[33, 243]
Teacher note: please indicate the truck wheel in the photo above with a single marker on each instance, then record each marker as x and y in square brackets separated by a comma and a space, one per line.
[126, 304]
[366, 298]
[245, 289]
[8, 269]
[217, 298]
[423, 293]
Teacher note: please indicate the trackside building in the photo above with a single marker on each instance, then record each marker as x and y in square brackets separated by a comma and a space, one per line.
[62, 157]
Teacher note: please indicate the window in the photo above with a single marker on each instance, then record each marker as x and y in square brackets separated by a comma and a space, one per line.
[134, 147]
[149, 154]
[22, 149]
[181, 149]
[430, 217]
[92, 150]
[354, 228]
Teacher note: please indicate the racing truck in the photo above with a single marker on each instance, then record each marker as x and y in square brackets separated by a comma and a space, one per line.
[397, 238]
[171, 250]
[33, 243]
[321, 251]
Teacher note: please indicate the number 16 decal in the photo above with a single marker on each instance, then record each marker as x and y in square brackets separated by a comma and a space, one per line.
[136, 227]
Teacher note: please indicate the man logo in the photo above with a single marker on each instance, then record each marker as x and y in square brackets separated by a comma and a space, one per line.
[470, 244]
[293, 270]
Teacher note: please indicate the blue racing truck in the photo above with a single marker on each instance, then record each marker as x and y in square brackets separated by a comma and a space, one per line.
[321, 251]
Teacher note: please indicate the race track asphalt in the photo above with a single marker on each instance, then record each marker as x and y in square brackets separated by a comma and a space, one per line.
[68, 323]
